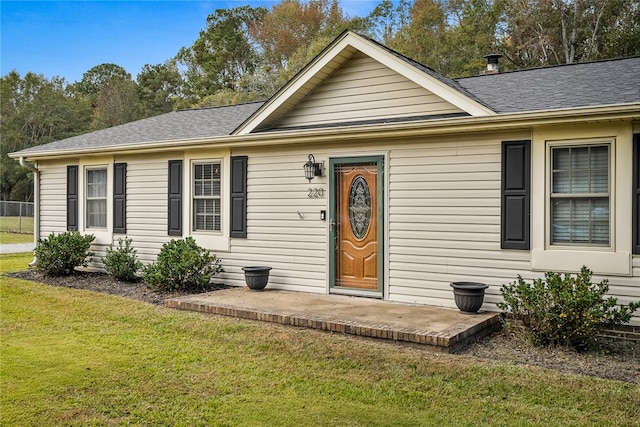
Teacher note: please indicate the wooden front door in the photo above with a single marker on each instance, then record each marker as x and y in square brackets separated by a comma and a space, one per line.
[355, 225]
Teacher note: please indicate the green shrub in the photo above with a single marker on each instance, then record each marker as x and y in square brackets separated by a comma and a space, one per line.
[182, 265]
[59, 255]
[122, 263]
[563, 309]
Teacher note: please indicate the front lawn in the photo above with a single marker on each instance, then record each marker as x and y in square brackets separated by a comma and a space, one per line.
[9, 238]
[15, 224]
[73, 357]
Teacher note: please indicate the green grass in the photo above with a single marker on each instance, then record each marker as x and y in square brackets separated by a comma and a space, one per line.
[8, 238]
[14, 224]
[72, 357]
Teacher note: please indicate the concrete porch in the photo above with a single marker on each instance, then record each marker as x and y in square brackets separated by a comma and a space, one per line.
[442, 329]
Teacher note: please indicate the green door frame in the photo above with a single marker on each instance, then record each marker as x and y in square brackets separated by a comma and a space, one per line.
[379, 161]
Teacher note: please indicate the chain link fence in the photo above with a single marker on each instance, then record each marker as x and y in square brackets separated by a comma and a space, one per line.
[16, 217]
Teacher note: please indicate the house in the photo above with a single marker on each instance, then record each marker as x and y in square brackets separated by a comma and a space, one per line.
[416, 180]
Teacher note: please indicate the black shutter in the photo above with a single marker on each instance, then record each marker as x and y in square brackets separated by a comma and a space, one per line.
[516, 178]
[636, 194]
[238, 196]
[175, 198]
[72, 198]
[120, 198]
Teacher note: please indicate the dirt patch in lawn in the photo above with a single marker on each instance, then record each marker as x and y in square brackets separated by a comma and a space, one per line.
[616, 360]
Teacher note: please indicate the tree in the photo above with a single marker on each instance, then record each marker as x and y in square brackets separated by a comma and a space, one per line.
[423, 38]
[96, 77]
[291, 25]
[290, 35]
[117, 103]
[159, 87]
[389, 18]
[472, 33]
[34, 111]
[222, 54]
[549, 32]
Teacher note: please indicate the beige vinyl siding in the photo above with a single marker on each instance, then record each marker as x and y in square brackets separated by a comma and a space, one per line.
[444, 225]
[147, 181]
[444, 221]
[442, 207]
[284, 227]
[364, 89]
[53, 197]
[298, 96]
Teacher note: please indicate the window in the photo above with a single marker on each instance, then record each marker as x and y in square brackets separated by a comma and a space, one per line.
[207, 205]
[96, 198]
[580, 194]
[580, 204]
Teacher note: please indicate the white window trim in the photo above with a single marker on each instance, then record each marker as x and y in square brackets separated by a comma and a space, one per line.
[103, 235]
[193, 165]
[612, 260]
[87, 200]
[212, 240]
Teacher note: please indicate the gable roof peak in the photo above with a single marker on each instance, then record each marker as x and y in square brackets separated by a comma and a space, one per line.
[335, 56]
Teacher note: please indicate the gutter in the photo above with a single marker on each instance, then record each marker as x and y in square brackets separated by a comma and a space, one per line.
[36, 203]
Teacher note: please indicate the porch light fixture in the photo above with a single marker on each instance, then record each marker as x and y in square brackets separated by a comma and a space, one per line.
[312, 169]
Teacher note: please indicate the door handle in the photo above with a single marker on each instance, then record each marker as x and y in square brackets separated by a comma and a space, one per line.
[332, 225]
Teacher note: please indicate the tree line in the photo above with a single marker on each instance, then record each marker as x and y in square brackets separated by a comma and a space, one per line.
[247, 53]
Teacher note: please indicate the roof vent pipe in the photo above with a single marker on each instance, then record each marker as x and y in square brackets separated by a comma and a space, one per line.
[492, 63]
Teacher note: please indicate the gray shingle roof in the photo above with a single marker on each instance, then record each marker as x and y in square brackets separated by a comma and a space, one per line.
[565, 86]
[177, 125]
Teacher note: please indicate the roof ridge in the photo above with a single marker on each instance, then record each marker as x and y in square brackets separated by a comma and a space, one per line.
[212, 107]
[549, 67]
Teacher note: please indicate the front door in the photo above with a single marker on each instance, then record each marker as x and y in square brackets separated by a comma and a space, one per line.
[356, 225]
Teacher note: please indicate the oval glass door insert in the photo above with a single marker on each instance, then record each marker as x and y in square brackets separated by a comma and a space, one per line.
[359, 207]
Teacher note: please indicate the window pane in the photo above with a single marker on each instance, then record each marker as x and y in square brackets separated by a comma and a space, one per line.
[561, 219]
[600, 232]
[580, 181]
[206, 216]
[600, 157]
[97, 213]
[561, 182]
[97, 183]
[206, 179]
[560, 158]
[582, 220]
[599, 181]
[579, 158]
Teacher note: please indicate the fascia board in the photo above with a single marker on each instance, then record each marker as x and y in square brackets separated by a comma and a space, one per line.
[451, 126]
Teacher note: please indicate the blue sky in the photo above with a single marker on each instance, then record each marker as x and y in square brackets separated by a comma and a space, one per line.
[67, 38]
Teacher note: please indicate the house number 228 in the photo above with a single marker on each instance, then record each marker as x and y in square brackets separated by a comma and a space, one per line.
[316, 193]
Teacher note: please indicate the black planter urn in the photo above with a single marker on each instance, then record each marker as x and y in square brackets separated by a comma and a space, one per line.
[256, 277]
[468, 296]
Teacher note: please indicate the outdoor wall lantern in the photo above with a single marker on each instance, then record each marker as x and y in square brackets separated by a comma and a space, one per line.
[312, 169]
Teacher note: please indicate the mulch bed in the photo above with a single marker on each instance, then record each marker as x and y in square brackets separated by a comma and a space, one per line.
[101, 282]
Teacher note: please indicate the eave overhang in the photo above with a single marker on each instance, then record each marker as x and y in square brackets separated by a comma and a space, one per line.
[371, 132]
